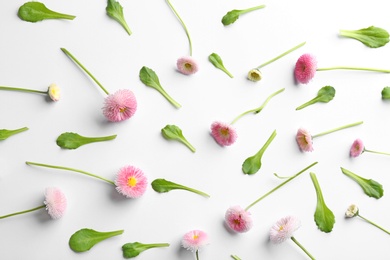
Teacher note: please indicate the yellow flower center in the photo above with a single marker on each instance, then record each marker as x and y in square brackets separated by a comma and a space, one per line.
[188, 66]
[224, 132]
[281, 228]
[132, 182]
[195, 237]
[122, 109]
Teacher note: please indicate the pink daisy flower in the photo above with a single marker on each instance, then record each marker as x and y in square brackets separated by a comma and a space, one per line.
[223, 134]
[356, 148]
[304, 140]
[120, 106]
[284, 229]
[238, 219]
[55, 202]
[305, 68]
[194, 240]
[131, 182]
[187, 65]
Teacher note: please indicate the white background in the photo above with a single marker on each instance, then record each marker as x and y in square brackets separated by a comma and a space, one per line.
[31, 58]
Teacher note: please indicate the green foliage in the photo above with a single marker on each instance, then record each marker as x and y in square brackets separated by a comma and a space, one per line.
[36, 11]
[370, 187]
[231, 16]
[131, 250]
[385, 93]
[162, 186]
[70, 140]
[216, 60]
[324, 95]
[373, 37]
[5, 133]
[115, 11]
[173, 132]
[84, 239]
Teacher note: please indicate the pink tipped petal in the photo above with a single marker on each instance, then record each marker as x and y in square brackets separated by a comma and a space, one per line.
[238, 219]
[304, 140]
[187, 65]
[55, 202]
[356, 148]
[223, 134]
[120, 106]
[284, 229]
[305, 68]
[195, 240]
[131, 182]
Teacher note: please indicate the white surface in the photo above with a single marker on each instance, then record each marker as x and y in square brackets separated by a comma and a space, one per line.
[31, 57]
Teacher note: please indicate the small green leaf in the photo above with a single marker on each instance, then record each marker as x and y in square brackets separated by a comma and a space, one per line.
[5, 133]
[323, 216]
[386, 93]
[131, 250]
[150, 79]
[253, 164]
[173, 132]
[70, 140]
[36, 11]
[372, 36]
[324, 95]
[84, 239]
[370, 187]
[216, 60]
[162, 186]
[231, 16]
[115, 11]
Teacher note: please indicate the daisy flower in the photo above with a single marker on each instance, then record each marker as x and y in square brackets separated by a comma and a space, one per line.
[55, 203]
[186, 64]
[358, 148]
[284, 229]
[306, 67]
[305, 140]
[225, 134]
[353, 211]
[53, 91]
[194, 241]
[255, 74]
[239, 219]
[117, 107]
[130, 181]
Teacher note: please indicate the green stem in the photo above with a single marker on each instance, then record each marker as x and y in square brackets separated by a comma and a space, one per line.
[308, 103]
[100, 139]
[70, 169]
[85, 69]
[195, 191]
[251, 9]
[156, 245]
[169, 98]
[320, 197]
[23, 89]
[190, 146]
[22, 212]
[280, 185]
[197, 254]
[56, 15]
[304, 249]
[281, 55]
[371, 151]
[235, 257]
[337, 129]
[372, 223]
[183, 24]
[258, 109]
[353, 68]
[12, 132]
[260, 153]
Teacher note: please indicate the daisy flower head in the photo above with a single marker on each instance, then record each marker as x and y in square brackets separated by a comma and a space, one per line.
[120, 106]
[238, 219]
[305, 68]
[54, 92]
[131, 182]
[224, 134]
[187, 65]
[255, 75]
[304, 140]
[352, 211]
[194, 240]
[284, 229]
[356, 148]
[55, 202]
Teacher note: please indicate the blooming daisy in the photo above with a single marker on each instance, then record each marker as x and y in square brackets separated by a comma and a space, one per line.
[284, 229]
[238, 219]
[195, 240]
[53, 91]
[224, 134]
[358, 148]
[131, 182]
[353, 211]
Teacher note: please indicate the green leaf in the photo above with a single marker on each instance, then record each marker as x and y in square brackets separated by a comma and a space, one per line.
[5, 133]
[150, 79]
[370, 187]
[84, 239]
[231, 16]
[36, 11]
[131, 250]
[372, 36]
[70, 140]
[173, 132]
[162, 186]
[253, 164]
[115, 11]
[324, 95]
[216, 60]
[323, 216]
[386, 93]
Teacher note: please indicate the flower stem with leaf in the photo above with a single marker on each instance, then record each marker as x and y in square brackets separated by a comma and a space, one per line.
[5, 133]
[162, 186]
[131, 250]
[115, 11]
[231, 16]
